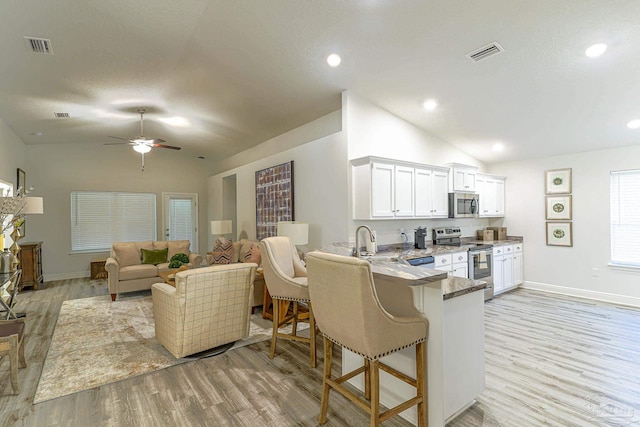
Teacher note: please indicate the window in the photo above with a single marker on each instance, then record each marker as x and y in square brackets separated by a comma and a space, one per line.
[100, 218]
[625, 218]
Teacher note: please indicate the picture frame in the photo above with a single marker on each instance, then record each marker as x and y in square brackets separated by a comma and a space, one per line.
[558, 181]
[274, 198]
[21, 180]
[558, 207]
[559, 234]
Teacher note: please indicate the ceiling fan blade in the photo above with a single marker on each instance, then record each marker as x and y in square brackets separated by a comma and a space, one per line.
[158, 140]
[118, 143]
[171, 147]
[117, 137]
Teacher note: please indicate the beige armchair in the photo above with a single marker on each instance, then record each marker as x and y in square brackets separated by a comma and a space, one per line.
[207, 308]
[286, 280]
[350, 314]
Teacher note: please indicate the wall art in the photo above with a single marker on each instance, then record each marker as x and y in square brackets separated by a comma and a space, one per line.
[558, 181]
[274, 198]
[558, 207]
[559, 234]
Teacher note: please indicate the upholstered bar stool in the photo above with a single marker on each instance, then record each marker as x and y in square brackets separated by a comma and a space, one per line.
[12, 344]
[350, 314]
[286, 280]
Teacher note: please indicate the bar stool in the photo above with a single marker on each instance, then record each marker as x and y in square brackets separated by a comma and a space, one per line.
[349, 313]
[12, 344]
[286, 280]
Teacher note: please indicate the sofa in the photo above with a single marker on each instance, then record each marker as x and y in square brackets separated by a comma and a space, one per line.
[127, 272]
[207, 308]
[244, 250]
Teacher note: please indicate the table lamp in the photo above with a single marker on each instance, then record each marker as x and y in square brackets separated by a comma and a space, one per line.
[28, 206]
[220, 228]
[298, 232]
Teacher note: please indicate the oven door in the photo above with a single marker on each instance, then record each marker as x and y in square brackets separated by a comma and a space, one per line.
[481, 268]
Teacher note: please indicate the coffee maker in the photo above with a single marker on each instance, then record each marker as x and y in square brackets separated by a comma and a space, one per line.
[420, 237]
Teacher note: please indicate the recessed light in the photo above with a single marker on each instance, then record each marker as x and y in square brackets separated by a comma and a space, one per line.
[334, 60]
[430, 104]
[497, 147]
[634, 124]
[596, 50]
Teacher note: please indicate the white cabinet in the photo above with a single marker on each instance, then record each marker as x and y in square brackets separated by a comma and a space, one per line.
[518, 272]
[431, 193]
[507, 267]
[456, 263]
[464, 179]
[491, 191]
[388, 189]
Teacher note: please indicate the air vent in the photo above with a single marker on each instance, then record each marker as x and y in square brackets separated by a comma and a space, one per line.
[62, 115]
[484, 52]
[40, 46]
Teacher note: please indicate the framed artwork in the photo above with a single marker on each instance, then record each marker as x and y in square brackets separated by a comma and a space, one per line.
[558, 207]
[558, 181]
[21, 181]
[274, 198]
[559, 234]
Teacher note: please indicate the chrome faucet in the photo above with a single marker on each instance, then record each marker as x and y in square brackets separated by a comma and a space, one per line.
[371, 237]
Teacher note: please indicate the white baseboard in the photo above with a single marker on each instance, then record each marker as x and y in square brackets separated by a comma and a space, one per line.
[583, 293]
[66, 276]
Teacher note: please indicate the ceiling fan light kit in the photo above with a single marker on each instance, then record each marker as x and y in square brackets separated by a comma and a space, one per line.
[141, 144]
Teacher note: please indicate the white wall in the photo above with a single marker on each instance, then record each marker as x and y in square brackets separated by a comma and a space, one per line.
[12, 155]
[56, 170]
[569, 269]
[373, 131]
[320, 177]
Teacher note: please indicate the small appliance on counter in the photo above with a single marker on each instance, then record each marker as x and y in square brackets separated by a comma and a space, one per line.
[420, 237]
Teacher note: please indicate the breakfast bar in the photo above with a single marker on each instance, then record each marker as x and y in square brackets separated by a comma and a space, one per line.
[455, 350]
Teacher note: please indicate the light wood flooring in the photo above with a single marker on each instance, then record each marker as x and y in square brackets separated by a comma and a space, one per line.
[551, 361]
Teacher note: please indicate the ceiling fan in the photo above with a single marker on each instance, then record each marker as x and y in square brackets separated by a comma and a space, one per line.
[141, 144]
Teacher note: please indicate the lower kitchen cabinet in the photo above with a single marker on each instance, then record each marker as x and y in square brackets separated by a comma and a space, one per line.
[456, 263]
[518, 265]
[507, 270]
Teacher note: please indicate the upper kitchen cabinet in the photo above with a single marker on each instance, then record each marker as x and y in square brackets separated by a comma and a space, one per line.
[491, 190]
[387, 189]
[463, 178]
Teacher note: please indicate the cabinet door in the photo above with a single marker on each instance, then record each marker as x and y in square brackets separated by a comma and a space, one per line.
[404, 191]
[499, 197]
[489, 195]
[469, 181]
[440, 194]
[423, 191]
[460, 270]
[382, 186]
[517, 269]
[498, 279]
[507, 271]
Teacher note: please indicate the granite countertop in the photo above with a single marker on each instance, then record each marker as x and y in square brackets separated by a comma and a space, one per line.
[402, 273]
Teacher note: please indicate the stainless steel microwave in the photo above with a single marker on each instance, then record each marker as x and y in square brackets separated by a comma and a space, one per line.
[463, 205]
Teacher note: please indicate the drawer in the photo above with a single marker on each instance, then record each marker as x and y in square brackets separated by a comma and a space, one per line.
[508, 249]
[443, 260]
[459, 257]
[517, 247]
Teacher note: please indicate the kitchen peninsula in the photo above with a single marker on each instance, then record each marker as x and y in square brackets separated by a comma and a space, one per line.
[455, 351]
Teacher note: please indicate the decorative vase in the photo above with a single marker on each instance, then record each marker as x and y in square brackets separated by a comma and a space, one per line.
[6, 262]
[15, 248]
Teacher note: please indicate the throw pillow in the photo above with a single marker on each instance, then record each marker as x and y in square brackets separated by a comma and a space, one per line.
[222, 252]
[154, 256]
[126, 253]
[253, 254]
[178, 246]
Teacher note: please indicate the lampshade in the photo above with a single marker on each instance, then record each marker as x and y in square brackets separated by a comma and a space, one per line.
[298, 232]
[33, 206]
[221, 227]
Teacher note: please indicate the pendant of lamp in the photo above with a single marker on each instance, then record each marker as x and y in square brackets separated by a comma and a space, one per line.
[141, 147]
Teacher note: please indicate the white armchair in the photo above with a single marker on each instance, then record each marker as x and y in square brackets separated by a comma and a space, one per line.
[207, 308]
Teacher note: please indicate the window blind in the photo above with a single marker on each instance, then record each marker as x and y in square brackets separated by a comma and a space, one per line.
[625, 218]
[181, 220]
[100, 218]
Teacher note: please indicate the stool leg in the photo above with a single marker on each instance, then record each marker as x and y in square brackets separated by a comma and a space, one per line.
[374, 378]
[328, 361]
[13, 362]
[367, 380]
[23, 362]
[421, 388]
[294, 326]
[276, 320]
[312, 336]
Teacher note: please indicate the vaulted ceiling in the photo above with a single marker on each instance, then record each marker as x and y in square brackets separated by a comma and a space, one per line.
[238, 72]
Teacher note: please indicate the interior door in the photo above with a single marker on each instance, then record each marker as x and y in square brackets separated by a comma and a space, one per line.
[180, 217]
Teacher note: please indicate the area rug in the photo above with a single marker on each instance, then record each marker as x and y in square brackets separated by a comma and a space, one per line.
[97, 342]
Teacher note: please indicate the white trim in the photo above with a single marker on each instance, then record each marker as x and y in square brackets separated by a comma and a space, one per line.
[634, 268]
[583, 293]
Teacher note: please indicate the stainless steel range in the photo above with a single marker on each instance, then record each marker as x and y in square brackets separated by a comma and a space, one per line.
[480, 255]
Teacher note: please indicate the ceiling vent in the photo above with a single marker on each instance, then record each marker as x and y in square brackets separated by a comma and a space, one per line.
[62, 115]
[484, 52]
[37, 45]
